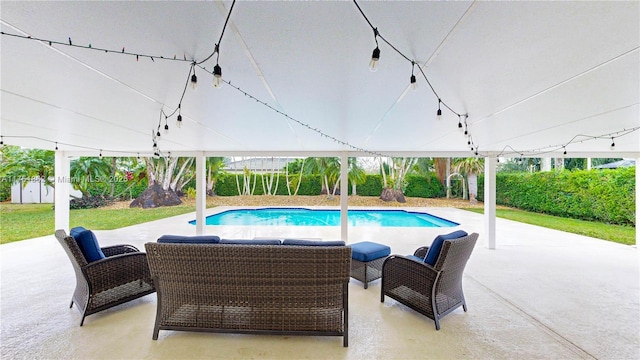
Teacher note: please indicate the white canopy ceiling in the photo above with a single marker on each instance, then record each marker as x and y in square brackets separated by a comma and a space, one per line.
[533, 76]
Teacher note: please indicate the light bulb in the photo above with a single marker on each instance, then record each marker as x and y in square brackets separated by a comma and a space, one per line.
[179, 121]
[217, 76]
[459, 125]
[439, 112]
[166, 128]
[414, 84]
[375, 57]
[613, 144]
[194, 81]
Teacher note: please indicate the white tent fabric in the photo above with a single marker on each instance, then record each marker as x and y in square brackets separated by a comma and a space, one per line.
[532, 76]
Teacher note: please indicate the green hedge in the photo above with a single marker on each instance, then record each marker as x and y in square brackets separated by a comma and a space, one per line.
[371, 187]
[424, 186]
[602, 195]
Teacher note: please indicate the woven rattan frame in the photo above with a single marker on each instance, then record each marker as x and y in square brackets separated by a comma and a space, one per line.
[433, 291]
[120, 277]
[367, 271]
[254, 289]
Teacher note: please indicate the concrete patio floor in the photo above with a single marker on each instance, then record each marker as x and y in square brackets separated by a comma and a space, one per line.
[542, 294]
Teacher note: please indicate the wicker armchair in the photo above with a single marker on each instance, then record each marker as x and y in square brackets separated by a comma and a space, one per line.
[433, 291]
[120, 277]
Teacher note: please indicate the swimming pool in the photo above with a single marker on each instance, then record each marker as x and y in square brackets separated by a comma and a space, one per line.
[317, 217]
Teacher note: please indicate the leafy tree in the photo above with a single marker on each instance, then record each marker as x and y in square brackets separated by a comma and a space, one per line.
[357, 175]
[470, 168]
[20, 163]
[425, 166]
[520, 165]
[294, 167]
[214, 170]
[86, 171]
[328, 168]
[393, 177]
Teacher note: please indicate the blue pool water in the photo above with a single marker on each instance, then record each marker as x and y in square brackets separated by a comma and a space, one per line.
[309, 217]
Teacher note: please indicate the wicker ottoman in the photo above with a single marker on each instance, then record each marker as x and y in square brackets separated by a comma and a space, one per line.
[366, 261]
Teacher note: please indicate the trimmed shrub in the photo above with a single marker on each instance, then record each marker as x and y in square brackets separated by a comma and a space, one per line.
[371, 187]
[424, 186]
[606, 195]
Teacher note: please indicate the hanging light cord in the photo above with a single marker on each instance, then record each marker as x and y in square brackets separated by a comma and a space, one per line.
[377, 34]
[216, 49]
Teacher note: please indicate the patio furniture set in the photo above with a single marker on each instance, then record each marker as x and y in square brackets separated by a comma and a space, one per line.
[263, 286]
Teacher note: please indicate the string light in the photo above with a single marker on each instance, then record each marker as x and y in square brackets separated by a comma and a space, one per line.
[412, 79]
[439, 112]
[100, 155]
[194, 81]
[69, 43]
[577, 139]
[460, 123]
[217, 76]
[613, 144]
[56, 146]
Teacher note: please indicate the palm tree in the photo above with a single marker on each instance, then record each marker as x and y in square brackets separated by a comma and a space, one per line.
[328, 168]
[470, 167]
[357, 175]
[214, 169]
[87, 170]
[393, 177]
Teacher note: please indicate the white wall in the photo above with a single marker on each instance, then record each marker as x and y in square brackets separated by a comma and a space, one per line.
[35, 192]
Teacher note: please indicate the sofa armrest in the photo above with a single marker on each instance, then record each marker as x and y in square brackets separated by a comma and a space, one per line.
[119, 249]
[116, 270]
[421, 251]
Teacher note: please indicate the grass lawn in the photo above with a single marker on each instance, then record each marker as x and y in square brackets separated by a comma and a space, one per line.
[26, 221]
[616, 233]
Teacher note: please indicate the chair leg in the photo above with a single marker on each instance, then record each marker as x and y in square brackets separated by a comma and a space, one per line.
[82, 321]
[71, 305]
[437, 321]
[464, 306]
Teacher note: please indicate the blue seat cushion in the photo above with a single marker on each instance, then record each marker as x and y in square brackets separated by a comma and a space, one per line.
[76, 230]
[302, 242]
[434, 249]
[88, 244]
[251, 242]
[367, 251]
[182, 239]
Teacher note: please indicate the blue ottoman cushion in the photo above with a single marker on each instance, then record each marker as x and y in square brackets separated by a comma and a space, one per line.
[434, 249]
[366, 251]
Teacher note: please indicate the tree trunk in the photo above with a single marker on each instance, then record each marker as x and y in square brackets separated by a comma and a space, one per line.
[113, 176]
[473, 188]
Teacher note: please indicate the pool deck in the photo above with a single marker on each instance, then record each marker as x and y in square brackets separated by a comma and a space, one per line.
[542, 294]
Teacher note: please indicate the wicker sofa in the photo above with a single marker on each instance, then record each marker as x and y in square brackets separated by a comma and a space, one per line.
[251, 288]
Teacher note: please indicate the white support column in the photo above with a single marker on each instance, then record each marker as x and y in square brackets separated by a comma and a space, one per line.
[637, 200]
[490, 201]
[62, 182]
[344, 197]
[201, 193]
[588, 163]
